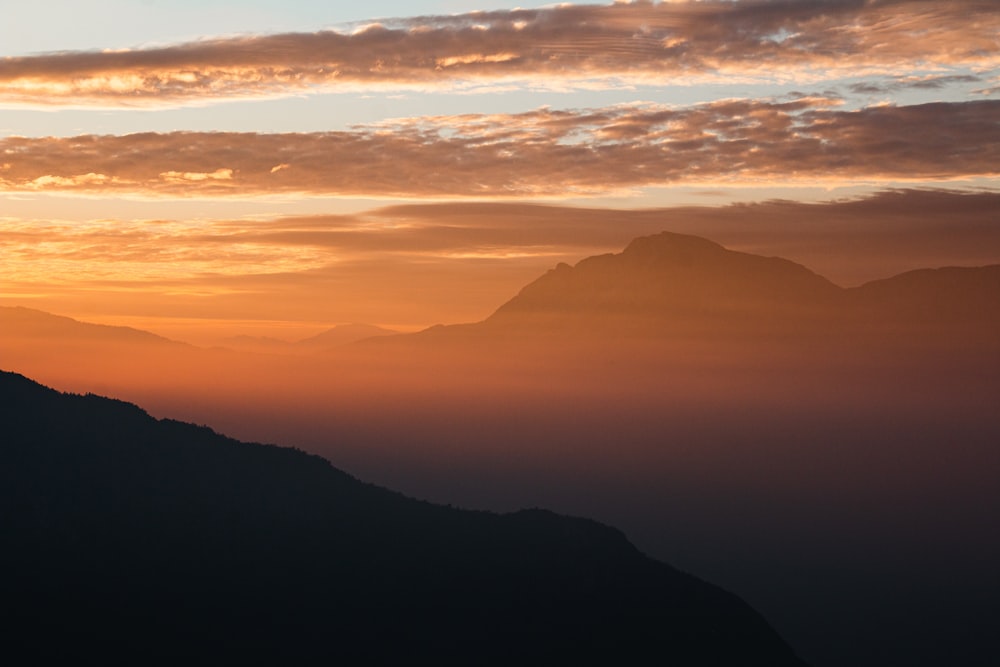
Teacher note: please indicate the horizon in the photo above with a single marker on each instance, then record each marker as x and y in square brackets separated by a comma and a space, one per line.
[971, 247]
[207, 170]
[242, 172]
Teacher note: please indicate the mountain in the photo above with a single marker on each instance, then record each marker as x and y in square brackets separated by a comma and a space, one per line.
[962, 295]
[37, 324]
[260, 344]
[93, 357]
[669, 280]
[830, 456]
[154, 541]
[344, 334]
[691, 291]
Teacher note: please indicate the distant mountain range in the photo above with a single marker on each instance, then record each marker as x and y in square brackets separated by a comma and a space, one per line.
[28, 323]
[662, 284]
[342, 334]
[828, 453]
[129, 538]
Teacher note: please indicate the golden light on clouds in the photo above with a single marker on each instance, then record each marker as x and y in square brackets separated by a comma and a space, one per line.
[544, 152]
[140, 252]
[619, 44]
[245, 170]
[606, 105]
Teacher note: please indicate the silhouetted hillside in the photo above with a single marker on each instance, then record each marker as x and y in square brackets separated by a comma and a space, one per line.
[157, 541]
[828, 453]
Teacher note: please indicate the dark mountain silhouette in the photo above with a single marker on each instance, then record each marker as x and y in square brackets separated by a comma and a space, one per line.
[155, 541]
[828, 453]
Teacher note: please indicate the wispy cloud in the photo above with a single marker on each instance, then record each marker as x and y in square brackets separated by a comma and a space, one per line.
[925, 82]
[540, 153]
[567, 44]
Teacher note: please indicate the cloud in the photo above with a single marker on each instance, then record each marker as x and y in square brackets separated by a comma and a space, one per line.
[926, 82]
[81, 181]
[539, 153]
[198, 176]
[563, 45]
[124, 254]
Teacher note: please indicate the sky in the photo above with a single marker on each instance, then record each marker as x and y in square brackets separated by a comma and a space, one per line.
[252, 167]
[204, 169]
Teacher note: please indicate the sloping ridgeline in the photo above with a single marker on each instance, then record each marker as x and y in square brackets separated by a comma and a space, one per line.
[126, 537]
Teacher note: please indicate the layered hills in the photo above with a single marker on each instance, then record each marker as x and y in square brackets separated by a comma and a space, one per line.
[829, 454]
[153, 541]
[665, 283]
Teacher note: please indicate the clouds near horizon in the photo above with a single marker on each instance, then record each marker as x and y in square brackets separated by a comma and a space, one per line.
[416, 265]
[564, 45]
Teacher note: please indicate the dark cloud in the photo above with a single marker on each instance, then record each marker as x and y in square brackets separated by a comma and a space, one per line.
[620, 42]
[543, 152]
[895, 84]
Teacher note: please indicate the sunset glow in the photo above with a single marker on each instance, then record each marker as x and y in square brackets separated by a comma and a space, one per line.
[720, 260]
[632, 105]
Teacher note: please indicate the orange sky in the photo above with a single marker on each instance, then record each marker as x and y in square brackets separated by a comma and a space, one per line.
[207, 168]
[249, 182]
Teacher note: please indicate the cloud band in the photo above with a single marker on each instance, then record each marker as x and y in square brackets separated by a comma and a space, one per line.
[539, 153]
[597, 45]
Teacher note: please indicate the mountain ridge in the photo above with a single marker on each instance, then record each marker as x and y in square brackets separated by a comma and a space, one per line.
[673, 274]
[165, 530]
[685, 273]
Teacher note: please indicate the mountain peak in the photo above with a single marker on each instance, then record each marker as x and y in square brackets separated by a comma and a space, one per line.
[671, 277]
[671, 244]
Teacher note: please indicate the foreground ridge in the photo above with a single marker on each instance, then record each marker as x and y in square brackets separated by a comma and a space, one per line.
[155, 540]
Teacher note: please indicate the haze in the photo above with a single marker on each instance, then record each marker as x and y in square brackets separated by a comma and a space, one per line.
[816, 432]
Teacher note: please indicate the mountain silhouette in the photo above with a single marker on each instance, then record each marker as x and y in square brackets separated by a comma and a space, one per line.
[153, 541]
[962, 295]
[36, 324]
[672, 285]
[739, 415]
[660, 284]
[671, 274]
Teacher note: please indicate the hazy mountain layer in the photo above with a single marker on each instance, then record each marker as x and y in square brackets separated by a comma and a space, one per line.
[128, 537]
[829, 454]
